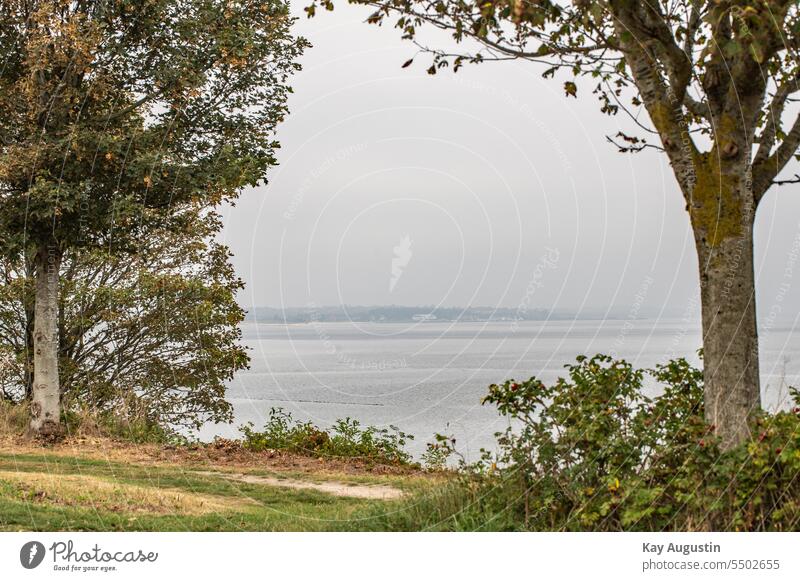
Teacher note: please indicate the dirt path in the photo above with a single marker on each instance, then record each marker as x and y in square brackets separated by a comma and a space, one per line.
[368, 491]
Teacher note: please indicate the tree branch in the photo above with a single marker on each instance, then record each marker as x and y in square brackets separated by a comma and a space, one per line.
[794, 180]
[764, 173]
[774, 112]
[663, 105]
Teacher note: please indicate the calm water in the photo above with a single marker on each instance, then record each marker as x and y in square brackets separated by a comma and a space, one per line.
[429, 377]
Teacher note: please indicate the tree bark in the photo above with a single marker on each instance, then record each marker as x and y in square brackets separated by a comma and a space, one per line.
[723, 229]
[46, 398]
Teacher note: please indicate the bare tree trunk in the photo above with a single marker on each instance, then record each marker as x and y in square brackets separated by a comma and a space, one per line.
[730, 339]
[46, 400]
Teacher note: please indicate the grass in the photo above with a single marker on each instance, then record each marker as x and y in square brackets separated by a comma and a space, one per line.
[109, 495]
[289, 477]
[451, 506]
[69, 491]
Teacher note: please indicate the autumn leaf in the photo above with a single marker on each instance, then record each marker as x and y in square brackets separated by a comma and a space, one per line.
[571, 89]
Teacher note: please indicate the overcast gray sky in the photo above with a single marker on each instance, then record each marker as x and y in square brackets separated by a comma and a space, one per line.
[486, 172]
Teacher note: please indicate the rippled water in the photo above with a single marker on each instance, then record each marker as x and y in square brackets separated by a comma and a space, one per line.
[429, 377]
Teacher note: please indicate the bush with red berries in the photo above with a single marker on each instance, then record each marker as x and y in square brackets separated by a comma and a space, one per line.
[593, 452]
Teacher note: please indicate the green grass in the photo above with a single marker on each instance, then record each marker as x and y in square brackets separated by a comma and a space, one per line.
[55, 492]
[451, 506]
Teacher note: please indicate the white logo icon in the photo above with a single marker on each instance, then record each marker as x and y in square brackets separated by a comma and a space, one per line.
[402, 256]
[31, 554]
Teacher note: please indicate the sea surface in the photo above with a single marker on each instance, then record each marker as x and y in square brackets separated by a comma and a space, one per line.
[428, 377]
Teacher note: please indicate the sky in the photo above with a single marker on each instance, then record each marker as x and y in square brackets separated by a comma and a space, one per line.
[488, 187]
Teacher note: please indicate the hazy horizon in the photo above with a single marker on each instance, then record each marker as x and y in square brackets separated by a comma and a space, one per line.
[486, 187]
[583, 313]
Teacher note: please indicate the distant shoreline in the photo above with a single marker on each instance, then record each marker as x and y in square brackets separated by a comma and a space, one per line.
[561, 319]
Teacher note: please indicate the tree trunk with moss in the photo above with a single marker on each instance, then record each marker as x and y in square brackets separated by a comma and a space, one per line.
[722, 209]
[721, 198]
[46, 396]
[730, 339]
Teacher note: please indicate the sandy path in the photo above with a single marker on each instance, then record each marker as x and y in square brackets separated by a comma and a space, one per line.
[368, 491]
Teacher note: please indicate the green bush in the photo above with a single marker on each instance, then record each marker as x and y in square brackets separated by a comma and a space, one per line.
[346, 438]
[438, 453]
[591, 452]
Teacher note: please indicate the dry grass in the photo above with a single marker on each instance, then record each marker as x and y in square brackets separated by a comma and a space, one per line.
[98, 493]
[234, 459]
[13, 418]
[101, 483]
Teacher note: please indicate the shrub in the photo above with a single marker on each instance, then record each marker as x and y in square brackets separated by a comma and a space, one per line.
[438, 452]
[346, 438]
[591, 452]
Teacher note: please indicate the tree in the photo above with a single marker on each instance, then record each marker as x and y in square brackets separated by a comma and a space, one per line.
[714, 77]
[116, 114]
[151, 336]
